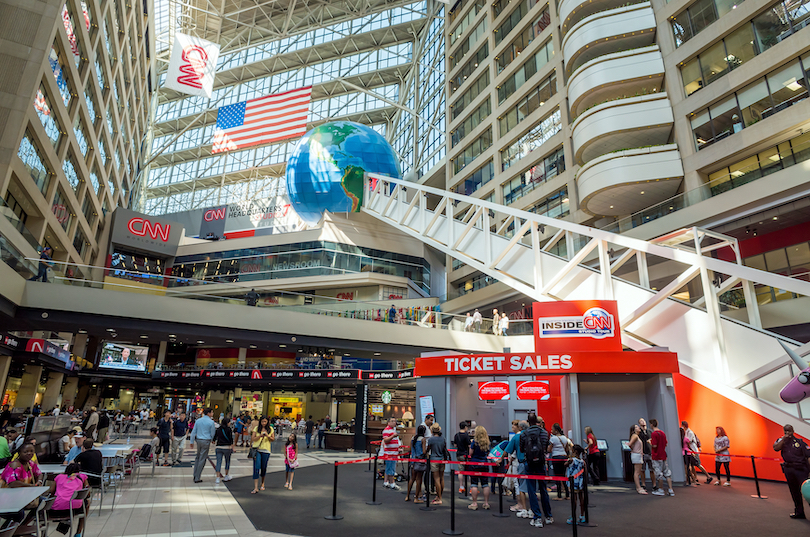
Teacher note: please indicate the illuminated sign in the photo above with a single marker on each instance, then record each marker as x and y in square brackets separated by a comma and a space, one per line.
[215, 214]
[386, 397]
[576, 325]
[286, 400]
[493, 391]
[537, 390]
[141, 227]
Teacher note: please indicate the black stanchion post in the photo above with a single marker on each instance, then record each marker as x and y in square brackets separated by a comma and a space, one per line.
[573, 504]
[587, 505]
[375, 463]
[756, 480]
[452, 530]
[500, 512]
[334, 515]
[428, 475]
[374, 486]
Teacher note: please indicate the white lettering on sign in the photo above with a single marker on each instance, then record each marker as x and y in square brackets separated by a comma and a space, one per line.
[478, 364]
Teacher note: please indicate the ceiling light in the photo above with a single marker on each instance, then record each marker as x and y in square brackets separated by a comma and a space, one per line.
[642, 192]
[376, 354]
[82, 331]
[253, 346]
[228, 341]
[283, 346]
[776, 218]
[330, 350]
[144, 336]
[611, 206]
[200, 341]
[172, 335]
[111, 330]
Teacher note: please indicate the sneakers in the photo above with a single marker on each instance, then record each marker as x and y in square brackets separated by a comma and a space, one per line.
[671, 492]
[387, 485]
[570, 521]
[461, 490]
[549, 520]
[717, 484]
[658, 492]
[227, 478]
[708, 481]
[536, 522]
[726, 484]
[217, 481]
[524, 513]
[394, 486]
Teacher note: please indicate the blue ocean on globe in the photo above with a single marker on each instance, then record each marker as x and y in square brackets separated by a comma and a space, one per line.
[325, 171]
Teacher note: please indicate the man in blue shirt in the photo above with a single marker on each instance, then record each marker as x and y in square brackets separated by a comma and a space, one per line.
[202, 434]
[180, 432]
[514, 447]
[45, 261]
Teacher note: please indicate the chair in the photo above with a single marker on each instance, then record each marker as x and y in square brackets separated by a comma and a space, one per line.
[9, 531]
[100, 489]
[41, 516]
[78, 495]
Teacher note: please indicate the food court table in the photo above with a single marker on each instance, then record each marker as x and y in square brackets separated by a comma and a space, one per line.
[13, 500]
[52, 468]
[111, 450]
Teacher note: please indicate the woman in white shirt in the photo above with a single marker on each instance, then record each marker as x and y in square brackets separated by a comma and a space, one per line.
[558, 446]
[504, 324]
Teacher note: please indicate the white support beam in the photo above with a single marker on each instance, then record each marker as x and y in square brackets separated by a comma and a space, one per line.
[685, 277]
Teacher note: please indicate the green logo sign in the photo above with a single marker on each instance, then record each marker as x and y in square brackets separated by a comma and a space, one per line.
[386, 397]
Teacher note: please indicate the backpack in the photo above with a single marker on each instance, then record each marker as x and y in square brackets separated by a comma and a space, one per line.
[532, 447]
[146, 452]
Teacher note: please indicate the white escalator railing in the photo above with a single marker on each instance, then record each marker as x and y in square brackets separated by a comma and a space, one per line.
[669, 296]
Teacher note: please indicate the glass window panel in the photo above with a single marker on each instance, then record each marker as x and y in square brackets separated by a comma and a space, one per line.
[769, 161]
[726, 6]
[799, 254]
[42, 105]
[692, 80]
[702, 129]
[757, 262]
[61, 209]
[740, 46]
[725, 118]
[34, 163]
[799, 12]
[776, 260]
[702, 14]
[60, 74]
[754, 101]
[787, 87]
[681, 28]
[713, 63]
[771, 27]
[801, 147]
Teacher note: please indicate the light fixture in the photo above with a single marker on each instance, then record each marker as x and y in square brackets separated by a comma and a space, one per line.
[253, 346]
[331, 350]
[228, 341]
[376, 354]
[172, 335]
[200, 341]
[282, 346]
[111, 330]
[82, 331]
[642, 192]
[611, 206]
[776, 218]
[144, 336]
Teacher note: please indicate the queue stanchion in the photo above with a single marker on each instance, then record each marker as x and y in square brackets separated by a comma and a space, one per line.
[756, 480]
[574, 504]
[586, 505]
[427, 506]
[374, 485]
[334, 515]
[500, 512]
[452, 530]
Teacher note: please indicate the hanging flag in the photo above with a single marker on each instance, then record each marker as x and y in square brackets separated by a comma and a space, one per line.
[263, 120]
[192, 66]
[71, 35]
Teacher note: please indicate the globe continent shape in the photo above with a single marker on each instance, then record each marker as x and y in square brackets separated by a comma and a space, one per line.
[806, 490]
[326, 169]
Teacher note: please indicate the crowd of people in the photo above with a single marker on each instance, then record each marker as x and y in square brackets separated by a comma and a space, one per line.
[500, 323]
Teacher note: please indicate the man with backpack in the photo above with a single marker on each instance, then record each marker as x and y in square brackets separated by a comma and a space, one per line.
[534, 444]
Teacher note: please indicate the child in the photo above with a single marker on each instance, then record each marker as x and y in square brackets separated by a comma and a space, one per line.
[574, 466]
[290, 459]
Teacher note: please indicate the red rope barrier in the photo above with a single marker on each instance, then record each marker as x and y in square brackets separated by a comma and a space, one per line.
[338, 463]
[736, 456]
[517, 476]
[468, 463]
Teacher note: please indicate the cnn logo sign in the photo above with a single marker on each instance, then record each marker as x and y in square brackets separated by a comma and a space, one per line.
[143, 227]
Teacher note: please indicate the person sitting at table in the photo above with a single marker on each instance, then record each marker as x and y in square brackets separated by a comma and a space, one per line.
[67, 442]
[15, 439]
[63, 487]
[5, 452]
[31, 441]
[78, 438]
[91, 462]
[22, 472]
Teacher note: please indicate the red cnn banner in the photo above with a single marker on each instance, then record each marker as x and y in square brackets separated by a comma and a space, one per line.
[578, 325]
[533, 390]
[493, 391]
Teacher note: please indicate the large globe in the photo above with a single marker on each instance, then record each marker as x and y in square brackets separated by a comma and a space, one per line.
[326, 169]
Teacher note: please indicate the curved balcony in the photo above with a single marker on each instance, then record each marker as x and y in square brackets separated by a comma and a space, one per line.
[621, 124]
[573, 11]
[611, 76]
[607, 32]
[628, 181]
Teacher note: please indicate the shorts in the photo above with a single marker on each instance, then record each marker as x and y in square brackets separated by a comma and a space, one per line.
[696, 459]
[661, 469]
[164, 445]
[436, 467]
[390, 467]
[636, 458]
[289, 468]
[647, 462]
[523, 484]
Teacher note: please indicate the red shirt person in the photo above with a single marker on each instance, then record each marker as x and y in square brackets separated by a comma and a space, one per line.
[658, 442]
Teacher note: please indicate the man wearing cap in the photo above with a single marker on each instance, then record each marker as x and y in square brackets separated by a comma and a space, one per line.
[45, 261]
[78, 439]
[796, 467]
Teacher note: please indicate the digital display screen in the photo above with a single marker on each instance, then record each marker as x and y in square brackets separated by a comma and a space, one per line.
[125, 357]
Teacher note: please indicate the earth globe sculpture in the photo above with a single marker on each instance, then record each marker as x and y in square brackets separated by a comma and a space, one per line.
[806, 490]
[326, 169]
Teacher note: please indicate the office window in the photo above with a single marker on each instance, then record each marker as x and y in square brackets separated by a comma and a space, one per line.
[526, 71]
[469, 67]
[60, 74]
[34, 163]
[469, 96]
[533, 139]
[42, 105]
[479, 178]
[534, 99]
[61, 209]
[510, 53]
[458, 54]
[472, 151]
[69, 167]
[81, 135]
[472, 121]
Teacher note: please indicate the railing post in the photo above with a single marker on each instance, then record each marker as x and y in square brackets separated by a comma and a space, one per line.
[334, 515]
[574, 503]
[756, 480]
[452, 530]
[374, 484]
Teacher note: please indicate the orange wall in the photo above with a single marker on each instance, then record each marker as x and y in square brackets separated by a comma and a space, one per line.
[748, 432]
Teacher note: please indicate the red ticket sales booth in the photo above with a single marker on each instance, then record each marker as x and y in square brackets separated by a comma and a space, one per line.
[578, 376]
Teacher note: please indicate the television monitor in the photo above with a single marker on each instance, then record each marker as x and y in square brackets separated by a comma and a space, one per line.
[124, 357]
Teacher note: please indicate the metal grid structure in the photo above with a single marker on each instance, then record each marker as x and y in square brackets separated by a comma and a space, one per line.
[377, 62]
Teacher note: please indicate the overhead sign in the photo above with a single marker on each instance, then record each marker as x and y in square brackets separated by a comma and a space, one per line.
[535, 363]
[286, 400]
[388, 375]
[493, 391]
[43, 346]
[192, 66]
[260, 374]
[10, 342]
[576, 325]
[243, 219]
[533, 390]
[148, 233]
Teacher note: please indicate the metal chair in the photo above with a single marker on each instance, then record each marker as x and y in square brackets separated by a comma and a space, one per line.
[41, 516]
[100, 489]
[78, 495]
[9, 531]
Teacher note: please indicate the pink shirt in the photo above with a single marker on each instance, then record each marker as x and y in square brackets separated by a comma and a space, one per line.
[290, 454]
[65, 487]
[11, 475]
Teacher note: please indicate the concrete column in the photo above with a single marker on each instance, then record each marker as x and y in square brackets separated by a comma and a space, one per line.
[70, 391]
[162, 352]
[79, 345]
[242, 358]
[237, 400]
[27, 393]
[5, 364]
[53, 391]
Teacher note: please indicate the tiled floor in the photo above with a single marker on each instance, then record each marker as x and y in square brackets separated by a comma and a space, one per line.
[170, 504]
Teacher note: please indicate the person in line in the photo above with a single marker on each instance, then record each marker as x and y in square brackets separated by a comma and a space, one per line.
[321, 433]
[225, 446]
[309, 426]
[179, 435]
[521, 509]
[496, 323]
[392, 314]
[694, 447]
[462, 442]
[390, 445]
[428, 423]
[91, 462]
[437, 450]
[202, 434]
[658, 441]
[504, 325]
[796, 466]
[165, 425]
[92, 423]
[689, 470]
[418, 451]
[721, 445]
[262, 436]
[468, 323]
[575, 467]
[290, 459]
[558, 447]
[593, 455]
[534, 445]
[479, 449]
[644, 436]
[63, 487]
[328, 421]
[477, 320]
[252, 298]
[637, 456]
[45, 262]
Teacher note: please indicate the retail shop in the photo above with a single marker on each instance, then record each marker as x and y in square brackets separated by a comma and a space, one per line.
[578, 376]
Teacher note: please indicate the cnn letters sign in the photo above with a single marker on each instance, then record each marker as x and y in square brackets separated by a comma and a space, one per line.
[145, 232]
[192, 66]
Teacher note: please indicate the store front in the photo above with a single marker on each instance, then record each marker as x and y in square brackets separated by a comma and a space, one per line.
[578, 376]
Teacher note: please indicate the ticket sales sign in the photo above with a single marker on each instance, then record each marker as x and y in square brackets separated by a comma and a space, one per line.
[544, 364]
[533, 390]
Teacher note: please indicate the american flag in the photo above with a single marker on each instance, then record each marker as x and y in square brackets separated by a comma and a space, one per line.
[263, 120]
[74, 45]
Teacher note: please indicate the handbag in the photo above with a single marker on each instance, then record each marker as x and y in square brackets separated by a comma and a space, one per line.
[251, 452]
